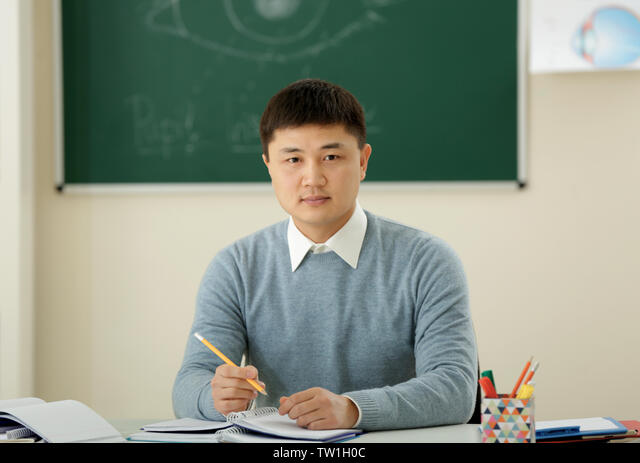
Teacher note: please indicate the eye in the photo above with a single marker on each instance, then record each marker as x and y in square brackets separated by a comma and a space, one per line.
[293, 160]
[331, 157]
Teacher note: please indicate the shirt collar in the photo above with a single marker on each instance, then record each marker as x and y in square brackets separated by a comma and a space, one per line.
[346, 242]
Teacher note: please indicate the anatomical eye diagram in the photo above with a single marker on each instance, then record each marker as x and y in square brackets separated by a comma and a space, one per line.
[608, 38]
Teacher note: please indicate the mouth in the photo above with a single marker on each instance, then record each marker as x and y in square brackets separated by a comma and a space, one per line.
[315, 200]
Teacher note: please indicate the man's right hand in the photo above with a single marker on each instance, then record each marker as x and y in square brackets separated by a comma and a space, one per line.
[230, 389]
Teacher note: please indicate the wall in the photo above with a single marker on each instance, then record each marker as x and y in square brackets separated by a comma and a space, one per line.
[16, 201]
[553, 269]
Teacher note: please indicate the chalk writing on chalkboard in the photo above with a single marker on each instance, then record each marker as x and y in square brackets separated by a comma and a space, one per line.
[162, 135]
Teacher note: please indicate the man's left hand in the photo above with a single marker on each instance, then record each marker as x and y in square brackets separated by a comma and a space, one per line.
[318, 408]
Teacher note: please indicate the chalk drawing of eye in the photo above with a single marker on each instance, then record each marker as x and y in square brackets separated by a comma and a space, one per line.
[378, 3]
[263, 30]
[276, 9]
[609, 38]
[275, 21]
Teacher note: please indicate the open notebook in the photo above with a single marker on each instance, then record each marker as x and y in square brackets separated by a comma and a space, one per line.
[260, 425]
[61, 421]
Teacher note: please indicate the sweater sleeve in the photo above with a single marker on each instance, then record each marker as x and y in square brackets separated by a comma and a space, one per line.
[444, 389]
[218, 318]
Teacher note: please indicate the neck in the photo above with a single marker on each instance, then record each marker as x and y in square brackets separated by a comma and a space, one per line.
[320, 233]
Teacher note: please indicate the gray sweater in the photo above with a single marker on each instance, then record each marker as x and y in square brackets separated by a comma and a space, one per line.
[395, 334]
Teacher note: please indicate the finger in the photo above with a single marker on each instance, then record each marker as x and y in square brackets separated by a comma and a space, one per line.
[303, 408]
[322, 423]
[283, 409]
[285, 405]
[302, 396]
[230, 371]
[306, 419]
[251, 372]
[232, 383]
[229, 393]
[294, 399]
[304, 402]
[235, 405]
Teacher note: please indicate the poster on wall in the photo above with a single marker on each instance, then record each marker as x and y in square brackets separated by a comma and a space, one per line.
[584, 35]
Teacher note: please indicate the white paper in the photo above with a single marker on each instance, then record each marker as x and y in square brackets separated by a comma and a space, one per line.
[21, 402]
[283, 426]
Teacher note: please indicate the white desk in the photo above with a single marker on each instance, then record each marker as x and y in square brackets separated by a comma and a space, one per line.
[461, 433]
[456, 434]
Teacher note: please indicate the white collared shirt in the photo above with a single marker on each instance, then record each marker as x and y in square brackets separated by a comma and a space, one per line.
[346, 242]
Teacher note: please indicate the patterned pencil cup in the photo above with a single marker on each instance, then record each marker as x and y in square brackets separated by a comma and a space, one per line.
[506, 420]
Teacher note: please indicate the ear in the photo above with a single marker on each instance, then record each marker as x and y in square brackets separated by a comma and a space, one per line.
[266, 162]
[365, 154]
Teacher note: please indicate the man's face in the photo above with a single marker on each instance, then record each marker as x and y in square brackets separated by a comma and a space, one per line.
[316, 172]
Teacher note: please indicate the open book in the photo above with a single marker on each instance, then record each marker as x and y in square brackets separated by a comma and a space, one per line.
[62, 421]
[260, 425]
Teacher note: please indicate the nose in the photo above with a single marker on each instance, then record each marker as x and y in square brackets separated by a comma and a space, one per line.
[313, 175]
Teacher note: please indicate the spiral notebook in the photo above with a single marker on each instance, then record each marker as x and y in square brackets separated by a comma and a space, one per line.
[263, 424]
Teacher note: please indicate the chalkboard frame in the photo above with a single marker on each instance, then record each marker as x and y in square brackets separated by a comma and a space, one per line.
[174, 187]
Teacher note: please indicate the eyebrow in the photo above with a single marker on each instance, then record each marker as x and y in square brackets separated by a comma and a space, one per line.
[294, 149]
[290, 149]
[331, 146]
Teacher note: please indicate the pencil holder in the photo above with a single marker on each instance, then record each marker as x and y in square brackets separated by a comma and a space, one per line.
[507, 420]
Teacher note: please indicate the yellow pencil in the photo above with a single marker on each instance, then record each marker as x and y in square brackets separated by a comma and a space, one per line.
[226, 360]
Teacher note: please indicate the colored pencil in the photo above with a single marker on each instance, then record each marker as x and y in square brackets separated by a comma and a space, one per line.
[524, 372]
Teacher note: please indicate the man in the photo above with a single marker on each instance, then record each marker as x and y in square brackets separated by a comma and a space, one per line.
[348, 319]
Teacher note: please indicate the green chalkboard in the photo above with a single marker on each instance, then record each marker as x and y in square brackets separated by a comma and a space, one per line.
[171, 91]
